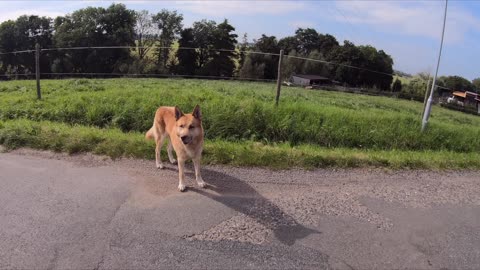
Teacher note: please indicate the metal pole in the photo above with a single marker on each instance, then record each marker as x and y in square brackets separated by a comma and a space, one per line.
[279, 77]
[37, 69]
[426, 96]
[426, 114]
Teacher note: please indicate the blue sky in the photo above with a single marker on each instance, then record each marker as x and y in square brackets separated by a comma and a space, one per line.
[408, 30]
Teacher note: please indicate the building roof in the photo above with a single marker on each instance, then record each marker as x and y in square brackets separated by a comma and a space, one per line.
[310, 77]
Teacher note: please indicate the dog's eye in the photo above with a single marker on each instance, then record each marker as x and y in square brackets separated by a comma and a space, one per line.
[191, 127]
[182, 126]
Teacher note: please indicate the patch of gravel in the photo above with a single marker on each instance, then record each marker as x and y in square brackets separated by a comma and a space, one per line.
[241, 228]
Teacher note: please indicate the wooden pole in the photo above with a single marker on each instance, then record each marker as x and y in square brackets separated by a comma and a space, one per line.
[37, 69]
[279, 78]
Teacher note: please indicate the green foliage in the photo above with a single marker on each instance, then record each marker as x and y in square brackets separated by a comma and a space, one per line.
[476, 84]
[397, 86]
[23, 34]
[169, 23]
[187, 63]
[115, 144]
[237, 111]
[457, 83]
[113, 26]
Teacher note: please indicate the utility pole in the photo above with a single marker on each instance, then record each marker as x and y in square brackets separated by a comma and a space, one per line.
[426, 114]
[426, 95]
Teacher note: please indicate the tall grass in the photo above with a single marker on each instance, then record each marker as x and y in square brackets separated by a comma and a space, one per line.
[244, 111]
[115, 143]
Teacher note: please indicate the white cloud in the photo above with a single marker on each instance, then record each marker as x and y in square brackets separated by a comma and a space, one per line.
[224, 8]
[411, 18]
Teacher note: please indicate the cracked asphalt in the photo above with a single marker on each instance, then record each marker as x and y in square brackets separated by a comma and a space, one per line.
[89, 212]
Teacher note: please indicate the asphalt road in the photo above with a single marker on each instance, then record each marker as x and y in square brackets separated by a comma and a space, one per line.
[88, 212]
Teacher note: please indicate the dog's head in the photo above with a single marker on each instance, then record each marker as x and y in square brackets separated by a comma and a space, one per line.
[189, 126]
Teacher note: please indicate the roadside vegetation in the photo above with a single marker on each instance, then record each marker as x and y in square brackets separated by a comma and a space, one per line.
[309, 128]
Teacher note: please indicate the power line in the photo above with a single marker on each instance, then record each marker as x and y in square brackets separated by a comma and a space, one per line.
[151, 75]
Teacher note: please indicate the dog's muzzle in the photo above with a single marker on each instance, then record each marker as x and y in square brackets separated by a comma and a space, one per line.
[186, 139]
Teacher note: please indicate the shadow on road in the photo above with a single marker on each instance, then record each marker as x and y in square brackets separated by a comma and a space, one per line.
[241, 197]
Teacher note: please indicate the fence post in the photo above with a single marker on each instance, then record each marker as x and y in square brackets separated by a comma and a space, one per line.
[37, 69]
[279, 77]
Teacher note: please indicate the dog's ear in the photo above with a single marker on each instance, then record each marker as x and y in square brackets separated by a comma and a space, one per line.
[178, 113]
[197, 113]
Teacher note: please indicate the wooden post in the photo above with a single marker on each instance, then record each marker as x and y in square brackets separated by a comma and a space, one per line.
[37, 69]
[279, 77]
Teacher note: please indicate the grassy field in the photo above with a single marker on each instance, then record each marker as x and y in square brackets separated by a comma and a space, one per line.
[243, 127]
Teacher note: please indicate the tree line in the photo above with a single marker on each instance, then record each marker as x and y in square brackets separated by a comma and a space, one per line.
[157, 37]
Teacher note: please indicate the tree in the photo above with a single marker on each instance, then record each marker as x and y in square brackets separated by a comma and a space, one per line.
[316, 67]
[307, 39]
[476, 84]
[91, 27]
[23, 34]
[267, 44]
[222, 53]
[457, 83]
[187, 58]
[144, 33]
[243, 48]
[203, 32]
[169, 24]
[397, 86]
[288, 44]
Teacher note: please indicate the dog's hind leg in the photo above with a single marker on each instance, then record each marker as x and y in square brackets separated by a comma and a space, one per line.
[169, 151]
[159, 141]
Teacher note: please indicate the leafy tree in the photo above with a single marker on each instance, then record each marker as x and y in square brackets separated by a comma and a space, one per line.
[203, 32]
[187, 59]
[397, 86]
[251, 70]
[243, 48]
[314, 67]
[269, 63]
[288, 44]
[144, 33]
[23, 34]
[224, 42]
[307, 39]
[169, 24]
[457, 83]
[89, 27]
[476, 84]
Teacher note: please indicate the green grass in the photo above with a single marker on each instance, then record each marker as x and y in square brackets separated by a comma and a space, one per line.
[115, 143]
[243, 127]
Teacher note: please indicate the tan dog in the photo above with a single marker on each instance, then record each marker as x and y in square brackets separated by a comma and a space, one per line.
[185, 134]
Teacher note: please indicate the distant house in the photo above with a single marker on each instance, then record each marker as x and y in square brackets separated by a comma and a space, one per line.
[306, 80]
[465, 99]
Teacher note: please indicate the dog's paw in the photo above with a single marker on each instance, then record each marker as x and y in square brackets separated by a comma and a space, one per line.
[182, 188]
[202, 184]
[173, 161]
[159, 166]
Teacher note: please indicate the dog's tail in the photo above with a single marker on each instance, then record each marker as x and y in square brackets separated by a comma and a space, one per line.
[150, 133]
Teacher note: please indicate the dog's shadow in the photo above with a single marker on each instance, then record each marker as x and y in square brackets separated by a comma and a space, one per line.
[240, 196]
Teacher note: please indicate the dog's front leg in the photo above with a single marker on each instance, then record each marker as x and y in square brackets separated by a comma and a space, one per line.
[181, 174]
[198, 176]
